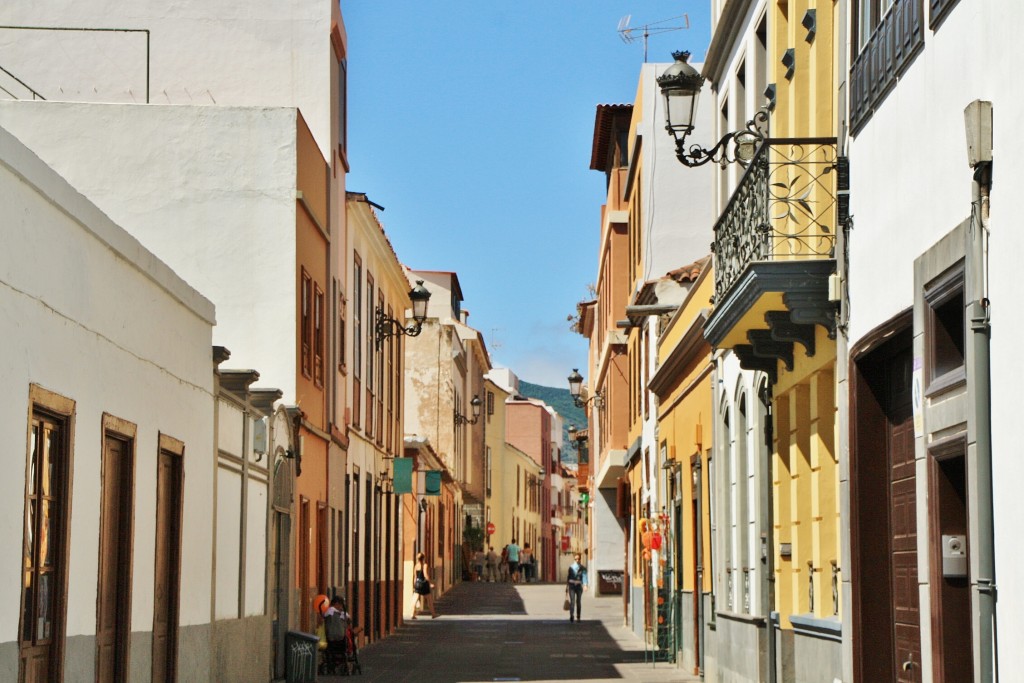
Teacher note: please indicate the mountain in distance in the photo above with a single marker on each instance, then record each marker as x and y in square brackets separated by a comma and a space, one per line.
[561, 401]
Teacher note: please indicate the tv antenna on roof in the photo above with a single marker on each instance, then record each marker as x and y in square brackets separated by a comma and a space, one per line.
[632, 34]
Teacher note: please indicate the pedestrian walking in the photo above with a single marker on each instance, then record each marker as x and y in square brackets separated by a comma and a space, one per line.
[422, 587]
[478, 563]
[513, 560]
[503, 574]
[526, 562]
[492, 564]
[574, 587]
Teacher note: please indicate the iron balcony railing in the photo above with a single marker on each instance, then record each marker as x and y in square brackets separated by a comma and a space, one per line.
[785, 208]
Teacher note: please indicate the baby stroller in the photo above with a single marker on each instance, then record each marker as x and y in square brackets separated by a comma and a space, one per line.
[341, 657]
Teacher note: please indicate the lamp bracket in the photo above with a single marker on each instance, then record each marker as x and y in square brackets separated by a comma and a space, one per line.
[582, 402]
[723, 152]
[386, 326]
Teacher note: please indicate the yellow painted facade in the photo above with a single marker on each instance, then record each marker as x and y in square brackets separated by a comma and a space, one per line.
[685, 426]
[805, 473]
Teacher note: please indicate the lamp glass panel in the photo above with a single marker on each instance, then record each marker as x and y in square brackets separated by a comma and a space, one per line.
[419, 309]
[680, 105]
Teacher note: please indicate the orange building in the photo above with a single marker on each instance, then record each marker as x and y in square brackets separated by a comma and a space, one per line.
[608, 369]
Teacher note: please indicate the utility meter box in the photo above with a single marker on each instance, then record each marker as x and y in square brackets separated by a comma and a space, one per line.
[954, 556]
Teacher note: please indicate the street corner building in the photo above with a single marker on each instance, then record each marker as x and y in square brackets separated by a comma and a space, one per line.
[109, 495]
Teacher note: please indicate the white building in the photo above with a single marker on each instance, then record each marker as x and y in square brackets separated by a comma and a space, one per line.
[109, 401]
[669, 224]
[933, 273]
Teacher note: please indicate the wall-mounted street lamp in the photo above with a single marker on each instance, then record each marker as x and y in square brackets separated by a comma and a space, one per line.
[385, 482]
[680, 85]
[475, 406]
[576, 388]
[579, 443]
[390, 327]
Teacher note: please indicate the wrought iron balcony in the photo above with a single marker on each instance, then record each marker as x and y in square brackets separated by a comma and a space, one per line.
[785, 208]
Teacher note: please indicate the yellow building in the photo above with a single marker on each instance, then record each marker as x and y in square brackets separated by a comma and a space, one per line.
[371, 559]
[775, 242]
[682, 386]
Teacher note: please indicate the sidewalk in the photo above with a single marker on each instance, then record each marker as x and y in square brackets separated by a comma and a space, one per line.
[500, 632]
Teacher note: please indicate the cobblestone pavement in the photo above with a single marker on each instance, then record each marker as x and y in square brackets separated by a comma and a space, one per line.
[500, 632]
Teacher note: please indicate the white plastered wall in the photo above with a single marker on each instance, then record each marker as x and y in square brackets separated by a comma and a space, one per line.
[210, 190]
[84, 309]
[910, 185]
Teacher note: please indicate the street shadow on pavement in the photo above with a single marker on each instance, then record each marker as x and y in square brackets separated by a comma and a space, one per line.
[464, 650]
[486, 632]
[481, 597]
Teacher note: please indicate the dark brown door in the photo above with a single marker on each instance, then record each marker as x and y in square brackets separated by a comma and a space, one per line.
[903, 523]
[885, 608]
[113, 602]
[168, 563]
[305, 593]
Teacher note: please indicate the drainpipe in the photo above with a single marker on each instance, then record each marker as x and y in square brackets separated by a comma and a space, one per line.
[978, 120]
[768, 525]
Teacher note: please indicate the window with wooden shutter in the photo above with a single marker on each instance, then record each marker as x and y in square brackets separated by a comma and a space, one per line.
[357, 338]
[318, 335]
[370, 354]
[305, 322]
[887, 35]
[939, 10]
[380, 379]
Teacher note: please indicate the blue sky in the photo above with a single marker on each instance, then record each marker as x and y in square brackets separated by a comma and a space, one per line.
[471, 123]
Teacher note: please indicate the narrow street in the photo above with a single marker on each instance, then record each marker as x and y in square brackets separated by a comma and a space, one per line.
[500, 632]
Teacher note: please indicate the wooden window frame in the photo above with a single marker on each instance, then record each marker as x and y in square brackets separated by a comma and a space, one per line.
[879, 58]
[396, 399]
[318, 335]
[380, 379]
[61, 411]
[357, 338]
[938, 11]
[342, 336]
[391, 407]
[370, 354]
[305, 323]
[941, 291]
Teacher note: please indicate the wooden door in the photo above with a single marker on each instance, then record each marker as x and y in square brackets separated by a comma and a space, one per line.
[113, 601]
[305, 593]
[906, 626]
[44, 565]
[168, 564]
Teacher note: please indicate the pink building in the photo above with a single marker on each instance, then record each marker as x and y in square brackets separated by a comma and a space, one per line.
[528, 428]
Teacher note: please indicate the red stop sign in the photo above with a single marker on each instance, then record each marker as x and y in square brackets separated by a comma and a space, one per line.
[490, 528]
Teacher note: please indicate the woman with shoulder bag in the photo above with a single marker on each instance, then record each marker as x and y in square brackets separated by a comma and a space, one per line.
[422, 587]
[574, 587]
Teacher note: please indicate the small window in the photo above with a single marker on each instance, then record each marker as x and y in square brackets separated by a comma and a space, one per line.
[945, 338]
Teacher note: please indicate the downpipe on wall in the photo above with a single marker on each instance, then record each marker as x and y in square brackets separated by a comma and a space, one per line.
[978, 124]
